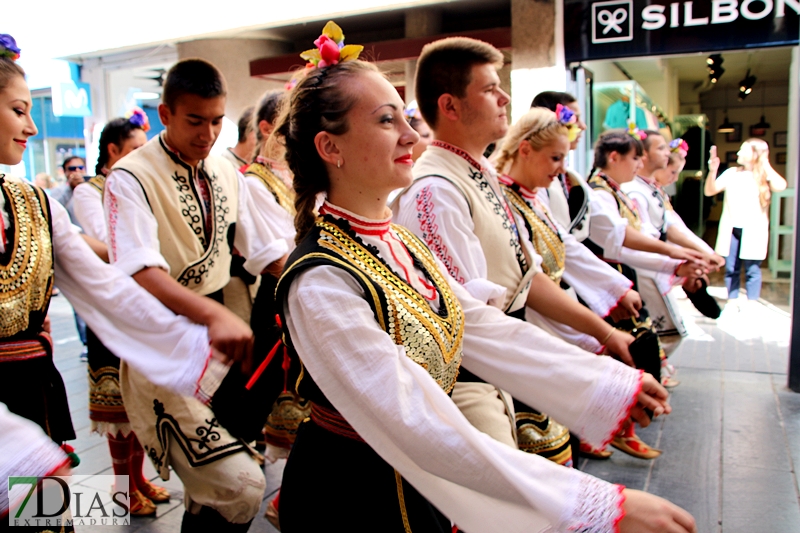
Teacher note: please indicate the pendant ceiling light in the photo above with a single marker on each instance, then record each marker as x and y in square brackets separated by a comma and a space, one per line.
[726, 127]
[762, 124]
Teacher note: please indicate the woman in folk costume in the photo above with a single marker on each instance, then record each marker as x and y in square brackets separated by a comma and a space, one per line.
[532, 155]
[106, 409]
[39, 245]
[743, 235]
[380, 327]
[615, 233]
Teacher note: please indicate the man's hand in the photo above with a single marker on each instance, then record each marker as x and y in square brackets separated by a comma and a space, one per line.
[618, 344]
[231, 336]
[627, 307]
[646, 513]
[652, 396]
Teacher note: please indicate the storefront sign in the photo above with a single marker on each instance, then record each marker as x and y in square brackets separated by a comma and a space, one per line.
[72, 99]
[607, 29]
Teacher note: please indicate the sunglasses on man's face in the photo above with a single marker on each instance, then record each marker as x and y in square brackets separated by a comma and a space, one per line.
[78, 167]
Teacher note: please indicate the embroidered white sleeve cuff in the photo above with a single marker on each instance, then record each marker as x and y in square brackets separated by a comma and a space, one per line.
[611, 404]
[213, 374]
[595, 507]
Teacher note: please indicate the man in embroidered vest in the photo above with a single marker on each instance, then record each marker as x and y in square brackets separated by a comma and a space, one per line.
[174, 213]
[457, 207]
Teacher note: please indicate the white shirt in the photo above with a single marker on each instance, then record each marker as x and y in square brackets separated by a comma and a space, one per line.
[132, 224]
[281, 222]
[607, 229]
[437, 212]
[741, 208]
[87, 203]
[402, 413]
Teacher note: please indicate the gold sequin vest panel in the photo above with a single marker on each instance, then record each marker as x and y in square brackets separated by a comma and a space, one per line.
[26, 280]
[432, 340]
[545, 240]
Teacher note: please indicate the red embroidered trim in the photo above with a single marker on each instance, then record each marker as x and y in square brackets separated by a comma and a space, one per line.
[113, 217]
[618, 301]
[432, 294]
[358, 224]
[626, 415]
[459, 152]
[621, 507]
[430, 232]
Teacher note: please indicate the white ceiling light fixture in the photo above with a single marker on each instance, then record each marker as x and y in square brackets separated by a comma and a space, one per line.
[145, 95]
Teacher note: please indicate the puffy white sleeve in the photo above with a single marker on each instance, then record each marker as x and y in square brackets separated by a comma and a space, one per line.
[598, 284]
[264, 201]
[400, 411]
[537, 368]
[606, 227]
[648, 227]
[649, 261]
[132, 238]
[168, 349]
[87, 204]
[675, 220]
[437, 212]
[25, 450]
[258, 238]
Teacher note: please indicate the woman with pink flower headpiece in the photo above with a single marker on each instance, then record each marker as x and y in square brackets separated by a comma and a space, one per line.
[383, 331]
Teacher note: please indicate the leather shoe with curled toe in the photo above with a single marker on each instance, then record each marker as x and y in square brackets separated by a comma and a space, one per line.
[155, 493]
[141, 505]
[633, 445]
[594, 453]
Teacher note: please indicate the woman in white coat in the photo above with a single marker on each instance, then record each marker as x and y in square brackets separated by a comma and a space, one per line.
[744, 226]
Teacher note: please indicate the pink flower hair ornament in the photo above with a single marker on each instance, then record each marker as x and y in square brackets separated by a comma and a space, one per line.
[635, 132]
[330, 48]
[138, 117]
[679, 146]
[8, 47]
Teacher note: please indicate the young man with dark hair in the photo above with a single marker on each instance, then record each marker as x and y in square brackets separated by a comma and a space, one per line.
[173, 214]
[242, 154]
[457, 207]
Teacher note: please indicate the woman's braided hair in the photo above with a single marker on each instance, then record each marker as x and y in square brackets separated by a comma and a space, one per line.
[539, 127]
[319, 102]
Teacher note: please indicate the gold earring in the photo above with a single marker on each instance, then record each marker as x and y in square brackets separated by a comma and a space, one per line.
[339, 163]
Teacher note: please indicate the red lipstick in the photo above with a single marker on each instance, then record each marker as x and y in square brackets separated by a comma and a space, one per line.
[404, 159]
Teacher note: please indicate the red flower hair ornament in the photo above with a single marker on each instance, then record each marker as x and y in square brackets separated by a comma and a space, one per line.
[330, 48]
